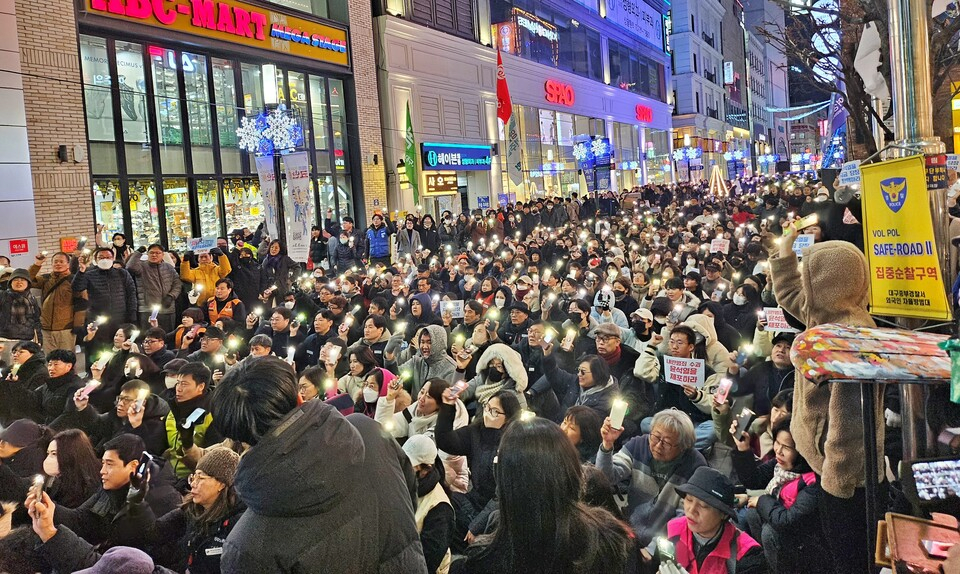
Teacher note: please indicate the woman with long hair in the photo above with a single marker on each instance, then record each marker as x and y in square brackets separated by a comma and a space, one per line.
[193, 535]
[73, 468]
[543, 525]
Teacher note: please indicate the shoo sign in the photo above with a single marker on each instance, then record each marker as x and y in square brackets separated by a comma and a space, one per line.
[559, 93]
[644, 113]
[235, 22]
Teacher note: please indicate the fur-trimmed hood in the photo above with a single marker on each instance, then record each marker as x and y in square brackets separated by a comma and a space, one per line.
[512, 362]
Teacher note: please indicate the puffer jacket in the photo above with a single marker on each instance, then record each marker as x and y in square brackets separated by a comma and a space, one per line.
[569, 393]
[249, 281]
[206, 275]
[827, 427]
[349, 510]
[19, 316]
[56, 299]
[112, 293]
[157, 284]
[378, 241]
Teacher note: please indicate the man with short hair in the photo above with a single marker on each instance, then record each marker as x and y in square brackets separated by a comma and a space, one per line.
[155, 349]
[299, 455]
[282, 329]
[378, 242]
[696, 401]
[46, 403]
[137, 412]
[98, 520]
[57, 315]
[112, 295]
[189, 421]
[158, 286]
[511, 331]
[210, 353]
[714, 280]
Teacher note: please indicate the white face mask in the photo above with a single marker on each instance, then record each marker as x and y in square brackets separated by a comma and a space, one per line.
[370, 395]
[499, 303]
[491, 422]
[289, 304]
[170, 382]
[739, 299]
[51, 466]
[105, 263]
[118, 242]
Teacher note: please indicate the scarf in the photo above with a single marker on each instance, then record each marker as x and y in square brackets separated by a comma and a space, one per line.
[613, 358]
[420, 424]
[585, 393]
[781, 477]
[426, 484]
[273, 261]
[489, 388]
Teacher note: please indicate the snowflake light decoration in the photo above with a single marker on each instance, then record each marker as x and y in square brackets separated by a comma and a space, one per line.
[580, 152]
[738, 154]
[270, 132]
[727, 156]
[598, 147]
[678, 154]
[693, 152]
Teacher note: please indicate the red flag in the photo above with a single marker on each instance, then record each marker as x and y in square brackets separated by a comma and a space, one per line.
[504, 106]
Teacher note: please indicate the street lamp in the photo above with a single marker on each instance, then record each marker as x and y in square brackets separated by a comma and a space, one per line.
[271, 91]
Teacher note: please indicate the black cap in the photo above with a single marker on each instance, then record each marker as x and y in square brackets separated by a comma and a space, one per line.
[694, 275]
[519, 306]
[173, 367]
[711, 267]
[784, 338]
[213, 333]
[713, 488]
[22, 433]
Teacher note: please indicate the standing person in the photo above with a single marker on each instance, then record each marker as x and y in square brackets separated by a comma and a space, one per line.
[56, 302]
[279, 267]
[831, 288]
[19, 313]
[543, 525]
[112, 295]
[249, 278]
[429, 236]
[324, 493]
[205, 275]
[158, 285]
[408, 242]
[346, 256]
[318, 246]
[378, 242]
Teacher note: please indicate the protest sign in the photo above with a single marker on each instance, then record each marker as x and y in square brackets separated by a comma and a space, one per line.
[679, 371]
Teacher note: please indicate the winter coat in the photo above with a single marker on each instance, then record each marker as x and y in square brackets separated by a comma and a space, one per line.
[649, 506]
[157, 284]
[46, 403]
[104, 427]
[408, 242]
[378, 242]
[478, 444]
[649, 370]
[481, 387]
[569, 393]
[318, 249]
[205, 275]
[449, 235]
[281, 276]
[438, 365]
[249, 281]
[176, 538]
[345, 257]
[326, 494]
[734, 546]
[407, 423]
[13, 404]
[794, 510]
[718, 356]
[56, 299]
[19, 316]
[831, 288]
[743, 318]
[430, 239]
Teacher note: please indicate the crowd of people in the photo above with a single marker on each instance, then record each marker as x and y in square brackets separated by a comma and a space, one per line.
[481, 392]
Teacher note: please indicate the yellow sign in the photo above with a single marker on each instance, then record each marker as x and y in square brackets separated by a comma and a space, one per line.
[235, 22]
[905, 278]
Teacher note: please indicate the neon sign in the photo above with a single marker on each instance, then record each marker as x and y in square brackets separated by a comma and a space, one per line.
[559, 93]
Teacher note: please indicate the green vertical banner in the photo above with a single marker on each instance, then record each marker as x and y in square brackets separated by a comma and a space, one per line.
[410, 158]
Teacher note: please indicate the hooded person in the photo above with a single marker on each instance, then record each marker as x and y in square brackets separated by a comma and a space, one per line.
[718, 357]
[726, 334]
[434, 514]
[427, 315]
[324, 492]
[499, 368]
[430, 359]
[831, 287]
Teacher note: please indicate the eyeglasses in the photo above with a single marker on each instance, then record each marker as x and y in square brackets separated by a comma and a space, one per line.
[779, 446]
[122, 400]
[607, 338]
[492, 411]
[18, 351]
[204, 339]
[656, 439]
[195, 478]
[154, 341]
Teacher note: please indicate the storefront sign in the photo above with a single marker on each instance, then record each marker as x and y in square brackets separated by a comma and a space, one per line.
[442, 183]
[727, 73]
[559, 93]
[455, 157]
[296, 203]
[19, 246]
[644, 113]
[902, 261]
[639, 18]
[235, 22]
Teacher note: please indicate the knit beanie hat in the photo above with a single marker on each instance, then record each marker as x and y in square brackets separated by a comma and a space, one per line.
[221, 464]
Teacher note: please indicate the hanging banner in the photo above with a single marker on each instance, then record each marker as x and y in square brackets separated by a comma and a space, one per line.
[904, 269]
[268, 189]
[296, 205]
[510, 126]
[410, 158]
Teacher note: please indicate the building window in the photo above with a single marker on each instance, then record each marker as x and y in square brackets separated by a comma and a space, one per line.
[636, 73]
[451, 16]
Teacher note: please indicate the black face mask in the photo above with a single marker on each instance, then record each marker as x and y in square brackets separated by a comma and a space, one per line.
[426, 484]
[619, 295]
[575, 317]
[494, 375]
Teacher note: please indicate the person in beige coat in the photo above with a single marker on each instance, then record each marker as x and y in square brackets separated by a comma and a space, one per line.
[831, 287]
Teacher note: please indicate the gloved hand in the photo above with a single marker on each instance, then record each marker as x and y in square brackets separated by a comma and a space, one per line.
[138, 487]
[142, 249]
[893, 420]
[671, 567]
[216, 251]
[186, 436]
[393, 343]
[188, 255]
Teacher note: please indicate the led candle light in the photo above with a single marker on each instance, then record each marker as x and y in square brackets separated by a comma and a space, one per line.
[101, 319]
[134, 335]
[155, 312]
[617, 412]
[291, 350]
